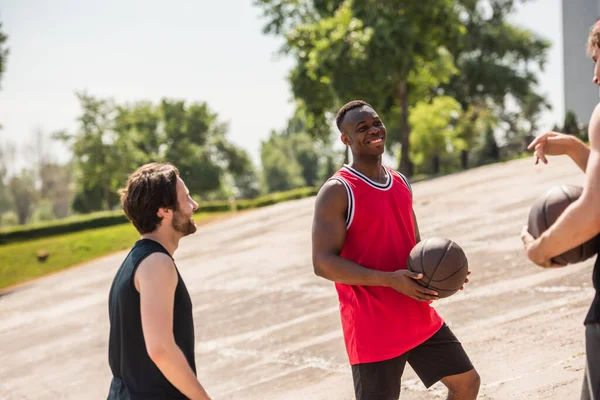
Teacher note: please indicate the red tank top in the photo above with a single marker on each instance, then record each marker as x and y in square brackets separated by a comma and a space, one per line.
[380, 323]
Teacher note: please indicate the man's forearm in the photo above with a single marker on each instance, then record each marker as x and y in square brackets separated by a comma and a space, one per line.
[574, 227]
[174, 366]
[580, 154]
[340, 270]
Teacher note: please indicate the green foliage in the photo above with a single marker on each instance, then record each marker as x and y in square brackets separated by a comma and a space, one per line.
[55, 181]
[96, 157]
[3, 52]
[6, 201]
[281, 169]
[24, 194]
[434, 131]
[109, 218]
[329, 163]
[395, 53]
[364, 49]
[498, 64]
[67, 225]
[188, 130]
[571, 125]
[9, 219]
[488, 150]
[43, 212]
[112, 140]
[277, 197]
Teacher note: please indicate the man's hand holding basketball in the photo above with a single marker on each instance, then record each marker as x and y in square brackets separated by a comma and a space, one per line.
[534, 252]
[466, 281]
[404, 281]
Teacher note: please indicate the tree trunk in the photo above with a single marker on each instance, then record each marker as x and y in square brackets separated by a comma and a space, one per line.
[22, 216]
[108, 199]
[464, 159]
[405, 164]
[436, 164]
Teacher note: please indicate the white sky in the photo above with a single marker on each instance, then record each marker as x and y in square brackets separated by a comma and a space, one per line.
[204, 50]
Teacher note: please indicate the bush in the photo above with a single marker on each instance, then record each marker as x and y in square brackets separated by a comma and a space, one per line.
[214, 206]
[278, 197]
[68, 225]
[9, 218]
[110, 218]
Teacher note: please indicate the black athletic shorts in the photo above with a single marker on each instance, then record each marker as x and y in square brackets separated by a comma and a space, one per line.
[440, 356]
[591, 380]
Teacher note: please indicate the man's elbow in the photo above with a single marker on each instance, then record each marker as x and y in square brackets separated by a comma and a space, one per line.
[589, 204]
[319, 266]
[157, 352]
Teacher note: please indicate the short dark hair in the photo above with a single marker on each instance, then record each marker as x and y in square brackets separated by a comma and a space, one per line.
[150, 187]
[339, 118]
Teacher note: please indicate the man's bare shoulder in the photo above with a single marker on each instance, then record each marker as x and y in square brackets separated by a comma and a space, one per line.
[594, 127]
[156, 267]
[332, 194]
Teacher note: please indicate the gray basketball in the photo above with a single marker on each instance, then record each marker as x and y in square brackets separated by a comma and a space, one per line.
[545, 211]
[443, 264]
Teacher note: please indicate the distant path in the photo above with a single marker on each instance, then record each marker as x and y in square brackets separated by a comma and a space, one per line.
[268, 328]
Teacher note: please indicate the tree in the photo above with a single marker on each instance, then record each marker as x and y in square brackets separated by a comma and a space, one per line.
[97, 160]
[3, 53]
[399, 47]
[434, 130]
[488, 151]
[471, 125]
[498, 63]
[114, 139]
[6, 158]
[24, 194]
[194, 138]
[239, 166]
[281, 169]
[571, 125]
[361, 49]
[55, 182]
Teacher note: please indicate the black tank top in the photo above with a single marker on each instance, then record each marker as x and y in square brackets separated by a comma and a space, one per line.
[593, 316]
[135, 376]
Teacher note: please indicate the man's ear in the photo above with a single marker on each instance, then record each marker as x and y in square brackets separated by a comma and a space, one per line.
[345, 139]
[165, 212]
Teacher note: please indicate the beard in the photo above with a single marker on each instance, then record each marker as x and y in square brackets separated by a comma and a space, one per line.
[183, 224]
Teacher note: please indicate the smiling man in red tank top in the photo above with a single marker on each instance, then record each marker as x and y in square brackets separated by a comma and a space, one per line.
[363, 230]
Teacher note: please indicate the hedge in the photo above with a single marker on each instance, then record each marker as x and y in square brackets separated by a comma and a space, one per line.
[109, 218]
[274, 198]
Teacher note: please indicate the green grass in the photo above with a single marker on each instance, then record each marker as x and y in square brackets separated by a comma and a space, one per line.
[18, 261]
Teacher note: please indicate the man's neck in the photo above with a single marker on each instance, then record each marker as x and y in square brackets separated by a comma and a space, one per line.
[166, 240]
[371, 168]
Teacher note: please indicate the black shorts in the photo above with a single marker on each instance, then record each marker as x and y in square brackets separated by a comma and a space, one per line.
[441, 355]
[591, 380]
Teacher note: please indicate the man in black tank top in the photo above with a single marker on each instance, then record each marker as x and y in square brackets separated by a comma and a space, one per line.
[580, 221]
[151, 344]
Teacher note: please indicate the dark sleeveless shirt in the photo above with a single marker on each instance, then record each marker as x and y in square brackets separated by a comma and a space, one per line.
[593, 316]
[135, 376]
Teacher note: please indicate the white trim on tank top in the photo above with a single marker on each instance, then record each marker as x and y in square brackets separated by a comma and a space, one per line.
[351, 206]
[381, 186]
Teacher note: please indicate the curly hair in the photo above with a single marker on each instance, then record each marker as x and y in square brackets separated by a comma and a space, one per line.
[150, 187]
[593, 38]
